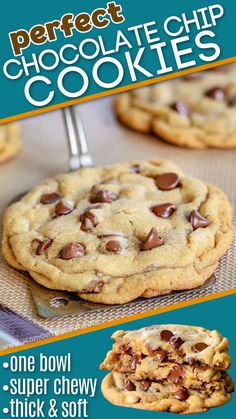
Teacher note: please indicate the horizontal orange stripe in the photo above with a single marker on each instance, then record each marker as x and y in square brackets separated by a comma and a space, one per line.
[118, 322]
[116, 90]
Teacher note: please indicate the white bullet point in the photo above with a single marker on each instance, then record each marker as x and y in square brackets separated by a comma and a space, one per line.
[5, 365]
[5, 410]
[5, 388]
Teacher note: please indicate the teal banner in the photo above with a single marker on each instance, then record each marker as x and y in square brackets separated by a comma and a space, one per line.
[57, 53]
[63, 379]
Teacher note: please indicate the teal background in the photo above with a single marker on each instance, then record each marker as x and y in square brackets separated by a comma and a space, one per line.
[25, 14]
[90, 349]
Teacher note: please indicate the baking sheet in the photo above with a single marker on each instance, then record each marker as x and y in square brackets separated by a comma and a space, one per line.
[45, 154]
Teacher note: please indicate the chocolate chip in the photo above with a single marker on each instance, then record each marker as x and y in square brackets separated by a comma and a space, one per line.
[160, 355]
[88, 215]
[72, 250]
[126, 349]
[216, 93]
[192, 362]
[199, 347]
[136, 360]
[129, 386]
[182, 394]
[181, 108]
[175, 375]
[113, 246]
[197, 220]
[135, 168]
[43, 245]
[232, 101]
[166, 335]
[150, 350]
[62, 209]
[50, 198]
[163, 210]
[176, 341]
[146, 384]
[167, 181]
[152, 240]
[104, 196]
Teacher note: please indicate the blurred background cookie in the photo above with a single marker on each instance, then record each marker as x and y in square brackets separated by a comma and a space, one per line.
[195, 111]
[10, 143]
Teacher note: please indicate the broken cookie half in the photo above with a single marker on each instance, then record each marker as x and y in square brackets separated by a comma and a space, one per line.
[174, 368]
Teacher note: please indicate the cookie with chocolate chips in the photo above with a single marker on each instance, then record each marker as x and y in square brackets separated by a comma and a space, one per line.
[113, 234]
[10, 142]
[195, 111]
[191, 383]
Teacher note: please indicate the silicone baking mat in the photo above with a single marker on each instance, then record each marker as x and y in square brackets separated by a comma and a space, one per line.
[45, 154]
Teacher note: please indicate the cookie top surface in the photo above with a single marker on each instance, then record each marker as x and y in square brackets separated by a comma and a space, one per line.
[196, 111]
[185, 343]
[10, 143]
[82, 231]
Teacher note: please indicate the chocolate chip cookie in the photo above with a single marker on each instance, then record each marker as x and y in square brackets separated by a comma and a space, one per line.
[195, 111]
[116, 233]
[175, 368]
[10, 143]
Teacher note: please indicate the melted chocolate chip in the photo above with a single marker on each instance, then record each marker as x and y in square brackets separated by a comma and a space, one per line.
[43, 245]
[166, 335]
[197, 220]
[163, 210]
[104, 196]
[146, 384]
[199, 347]
[62, 209]
[94, 288]
[160, 355]
[175, 375]
[50, 198]
[216, 93]
[129, 386]
[152, 240]
[126, 349]
[72, 250]
[88, 215]
[176, 342]
[182, 394]
[167, 181]
[150, 350]
[113, 246]
[136, 360]
[181, 108]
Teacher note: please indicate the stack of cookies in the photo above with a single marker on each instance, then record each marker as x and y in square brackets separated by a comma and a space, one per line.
[175, 368]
